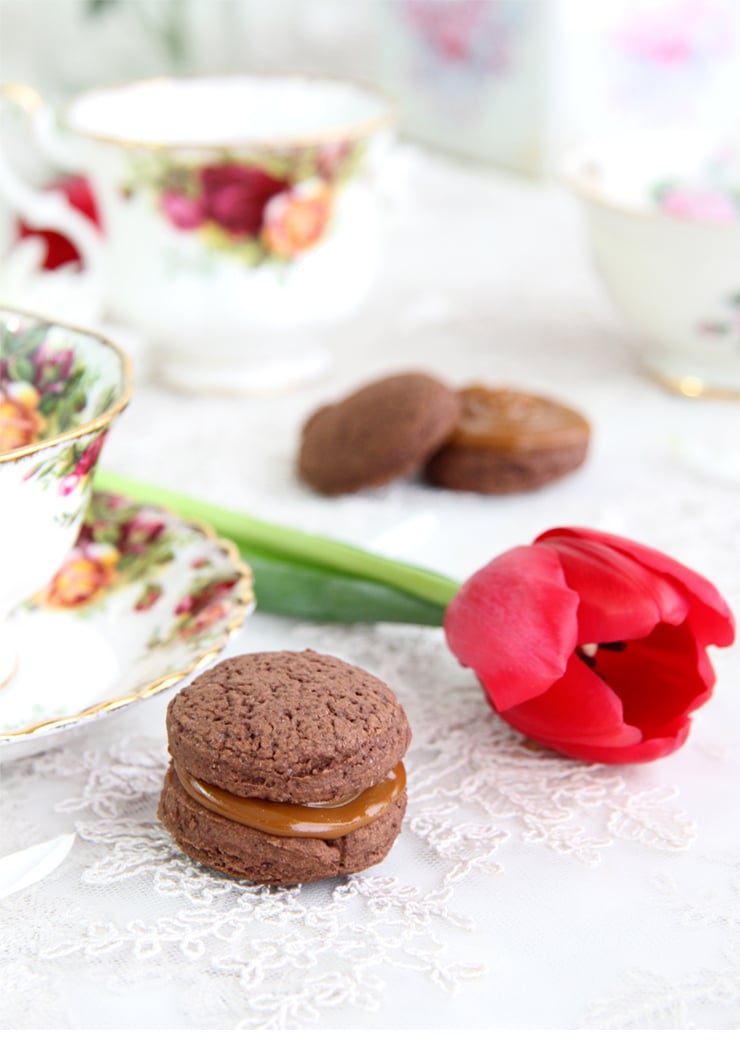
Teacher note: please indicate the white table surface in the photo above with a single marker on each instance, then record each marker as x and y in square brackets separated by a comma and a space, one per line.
[526, 890]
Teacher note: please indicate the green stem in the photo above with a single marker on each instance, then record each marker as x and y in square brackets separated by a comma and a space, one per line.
[317, 560]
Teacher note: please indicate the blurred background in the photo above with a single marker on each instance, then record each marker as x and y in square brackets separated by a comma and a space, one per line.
[508, 82]
[489, 87]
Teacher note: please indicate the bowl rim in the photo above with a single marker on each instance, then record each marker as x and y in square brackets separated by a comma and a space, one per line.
[387, 105]
[576, 157]
[100, 421]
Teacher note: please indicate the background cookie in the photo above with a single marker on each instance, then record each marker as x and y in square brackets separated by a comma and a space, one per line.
[385, 430]
[508, 441]
[288, 728]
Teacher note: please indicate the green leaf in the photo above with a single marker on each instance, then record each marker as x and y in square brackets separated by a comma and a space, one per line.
[290, 589]
[20, 370]
[23, 343]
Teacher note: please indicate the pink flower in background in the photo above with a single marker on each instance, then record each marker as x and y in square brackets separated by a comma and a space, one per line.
[235, 196]
[677, 34]
[185, 213]
[715, 206]
[452, 27]
[295, 220]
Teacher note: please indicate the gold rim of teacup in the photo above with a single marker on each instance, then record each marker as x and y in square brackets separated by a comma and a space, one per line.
[582, 166]
[690, 385]
[244, 602]
[333, 134]
[100, 421]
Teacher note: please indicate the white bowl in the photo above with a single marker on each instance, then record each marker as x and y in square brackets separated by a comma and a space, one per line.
[663, 215]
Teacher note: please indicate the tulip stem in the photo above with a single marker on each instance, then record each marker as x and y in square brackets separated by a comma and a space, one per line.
[308, 575]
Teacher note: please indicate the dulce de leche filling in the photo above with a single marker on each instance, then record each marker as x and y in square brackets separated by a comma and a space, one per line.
[325, 821]
[509, 419]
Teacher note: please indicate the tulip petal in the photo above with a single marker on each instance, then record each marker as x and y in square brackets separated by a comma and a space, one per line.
[659, 679]
[580, 708]
[619, 598]
[641, 752]
[710, 617]
[514, 623]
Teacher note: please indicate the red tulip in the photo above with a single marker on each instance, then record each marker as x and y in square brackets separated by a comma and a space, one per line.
[591, 644]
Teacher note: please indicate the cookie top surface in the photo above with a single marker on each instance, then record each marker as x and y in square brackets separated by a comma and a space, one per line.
[290, 727]
[383, 431]
[508, 419]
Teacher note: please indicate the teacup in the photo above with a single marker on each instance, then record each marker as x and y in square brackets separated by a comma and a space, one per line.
[663, 213]
[60, 389]
[240, 215]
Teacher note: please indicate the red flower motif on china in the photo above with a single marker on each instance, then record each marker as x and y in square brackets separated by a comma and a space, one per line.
[182, 211]
[87, 461]
[52, 370]
[591, 644]
[89, 570]
[235, 196]
[203, 608]
[137, 535]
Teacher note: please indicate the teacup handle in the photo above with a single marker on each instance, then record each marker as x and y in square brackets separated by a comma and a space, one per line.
[45, 209]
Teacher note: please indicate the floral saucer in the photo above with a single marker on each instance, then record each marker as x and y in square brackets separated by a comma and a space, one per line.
[144, 599]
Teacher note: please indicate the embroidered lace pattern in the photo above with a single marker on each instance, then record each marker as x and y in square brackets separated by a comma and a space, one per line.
[251, 956]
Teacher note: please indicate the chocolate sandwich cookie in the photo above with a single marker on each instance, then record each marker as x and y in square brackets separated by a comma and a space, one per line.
[507, 441]
[384, 431]
[286, 767]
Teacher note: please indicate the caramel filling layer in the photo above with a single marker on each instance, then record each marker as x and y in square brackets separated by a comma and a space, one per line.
[508, 419]
[322, 821]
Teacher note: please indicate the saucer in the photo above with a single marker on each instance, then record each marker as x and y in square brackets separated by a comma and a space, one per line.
[143, 600]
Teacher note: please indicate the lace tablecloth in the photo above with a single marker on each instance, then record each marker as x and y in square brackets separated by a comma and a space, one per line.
[526, 890]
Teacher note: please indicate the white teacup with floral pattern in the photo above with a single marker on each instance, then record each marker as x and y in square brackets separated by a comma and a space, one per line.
[663, 213]
[240, 216]
[60, 389]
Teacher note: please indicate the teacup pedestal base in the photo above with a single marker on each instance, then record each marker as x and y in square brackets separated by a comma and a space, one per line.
[286, 364]
[693, 380]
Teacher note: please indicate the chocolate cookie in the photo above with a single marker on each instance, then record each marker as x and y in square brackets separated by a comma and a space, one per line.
[286, 767]
[384, 431]
[507, 441]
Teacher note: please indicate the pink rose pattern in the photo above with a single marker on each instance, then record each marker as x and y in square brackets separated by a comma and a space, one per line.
[472, 34]
[710, 201]
[275, 207]
[662, 58]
